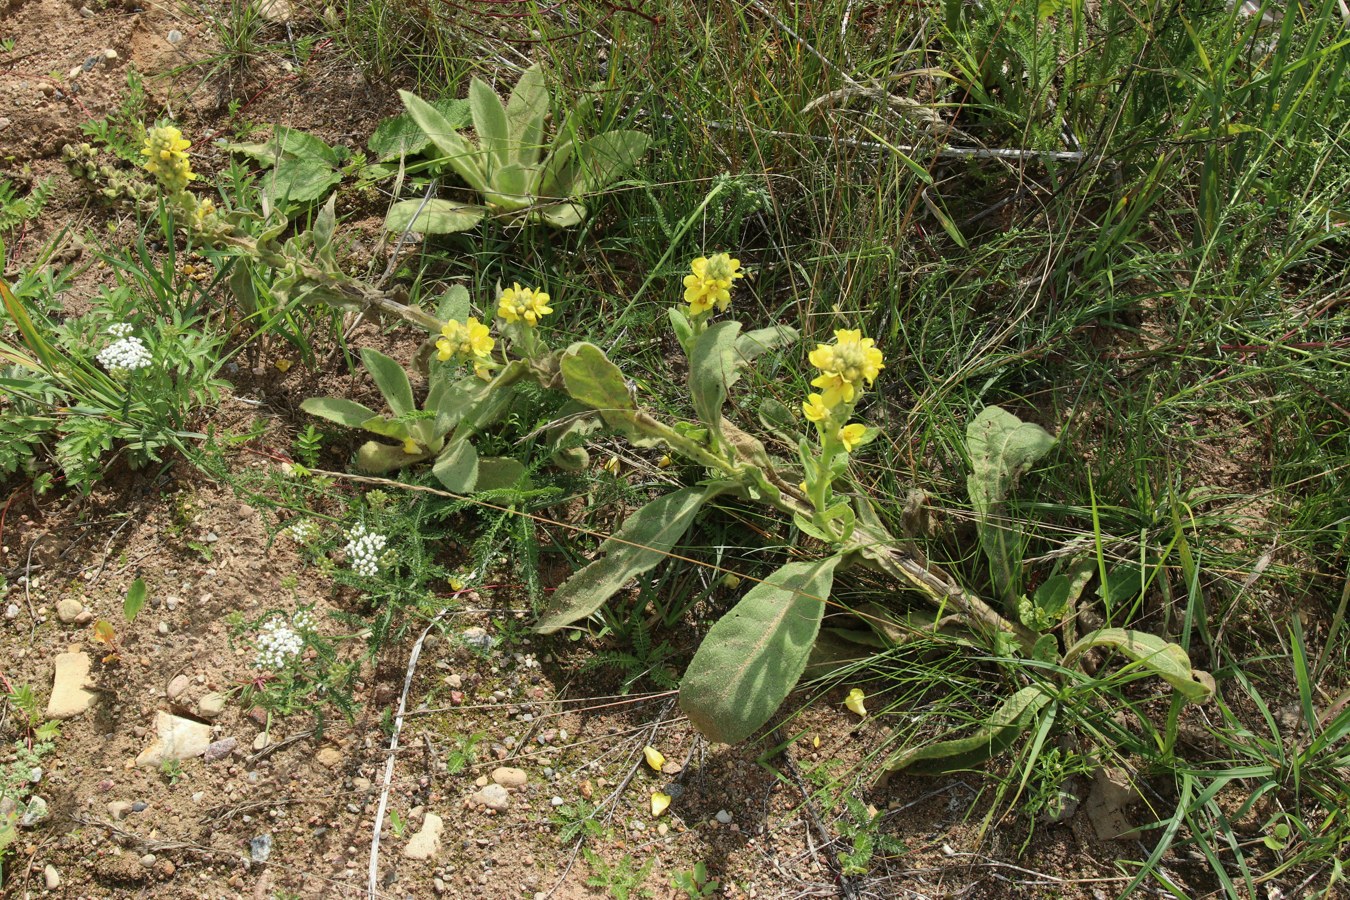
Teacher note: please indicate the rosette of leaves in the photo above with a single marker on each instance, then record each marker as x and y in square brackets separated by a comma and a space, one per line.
[457, 406]
[300, 168]
[519, 175]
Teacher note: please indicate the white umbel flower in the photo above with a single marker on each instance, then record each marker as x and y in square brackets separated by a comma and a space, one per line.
[125, 354]
[364, 549]
[277, 645]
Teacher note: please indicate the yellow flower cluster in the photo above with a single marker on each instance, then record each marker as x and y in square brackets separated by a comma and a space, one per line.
[845, 365]
[166, 158]
[469, 341]
[710, 283]
[518, 304]
[848, 364]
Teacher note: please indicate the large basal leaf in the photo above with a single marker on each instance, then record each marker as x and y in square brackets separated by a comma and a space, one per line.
[590, 378]
[602, 159]
[454, 304]
[298, 180]
[401, 135]
[712, 370]
[336, 409]
[379, 459]
[992, 738]
[753, 344]
[751, 658]
[457, 467]
[391, 380]
[432, 216]
[489, 120]
[525, 111]
[463, 157]
[1002, 447]
[496, 473]
[1165, 659]
[638, 546]
[563, 215]
[510, 187]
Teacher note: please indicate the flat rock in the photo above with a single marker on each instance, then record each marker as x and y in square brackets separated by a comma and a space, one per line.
[51, 877]
[176, 738]
[70, 695]
[509, 777]
[493, 796]
[329, 758]
[178, 687]
[220, 749]
[212, 705]
[68, 609]
[427, 842]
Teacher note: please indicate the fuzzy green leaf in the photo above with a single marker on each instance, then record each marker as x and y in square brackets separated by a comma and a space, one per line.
[563, 215]
[712, 370]
[590, 378]
[391, 380]
[463, 157]
[454, 304]
[751, 658]
[992, 738]
[489, 120]
[602, 159]
[401, 136]
[752, 344]
[381, 459]
[525, 111]
[1165, 659]
[298, 180]
[638, 546]
[498, 472]
[336, 409]
[457, 467]
[432, 216]
[1002, 448]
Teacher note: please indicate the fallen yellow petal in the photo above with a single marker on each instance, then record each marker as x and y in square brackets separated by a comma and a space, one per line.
[282, 365]
[612, 465]
[855, 701]
[660, 802]
[664, 462]
[654, 757]
[815, 741]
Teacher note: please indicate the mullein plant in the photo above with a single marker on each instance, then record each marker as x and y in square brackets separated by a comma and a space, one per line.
[751, 658]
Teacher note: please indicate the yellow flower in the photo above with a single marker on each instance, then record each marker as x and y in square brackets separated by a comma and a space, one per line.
[202, 213]
[518, 304]
[851, 360]
[410, 447]
[851, 435]
[654, 757]
[834, 389]
[710, 283]
[470, 340]
[815, 409]
[166, 158]
[665, 462]
[660, 803]
[611, 465]
[854, 701]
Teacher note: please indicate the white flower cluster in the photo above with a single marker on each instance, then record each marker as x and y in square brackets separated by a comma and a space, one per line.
[303, 620]
[364, 549]
[126, 353]
[277, 644]
[303, 532]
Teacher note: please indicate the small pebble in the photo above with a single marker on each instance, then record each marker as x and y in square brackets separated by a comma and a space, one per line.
[51, 877]
[557, 801]
[175, 36]
[723, 816]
